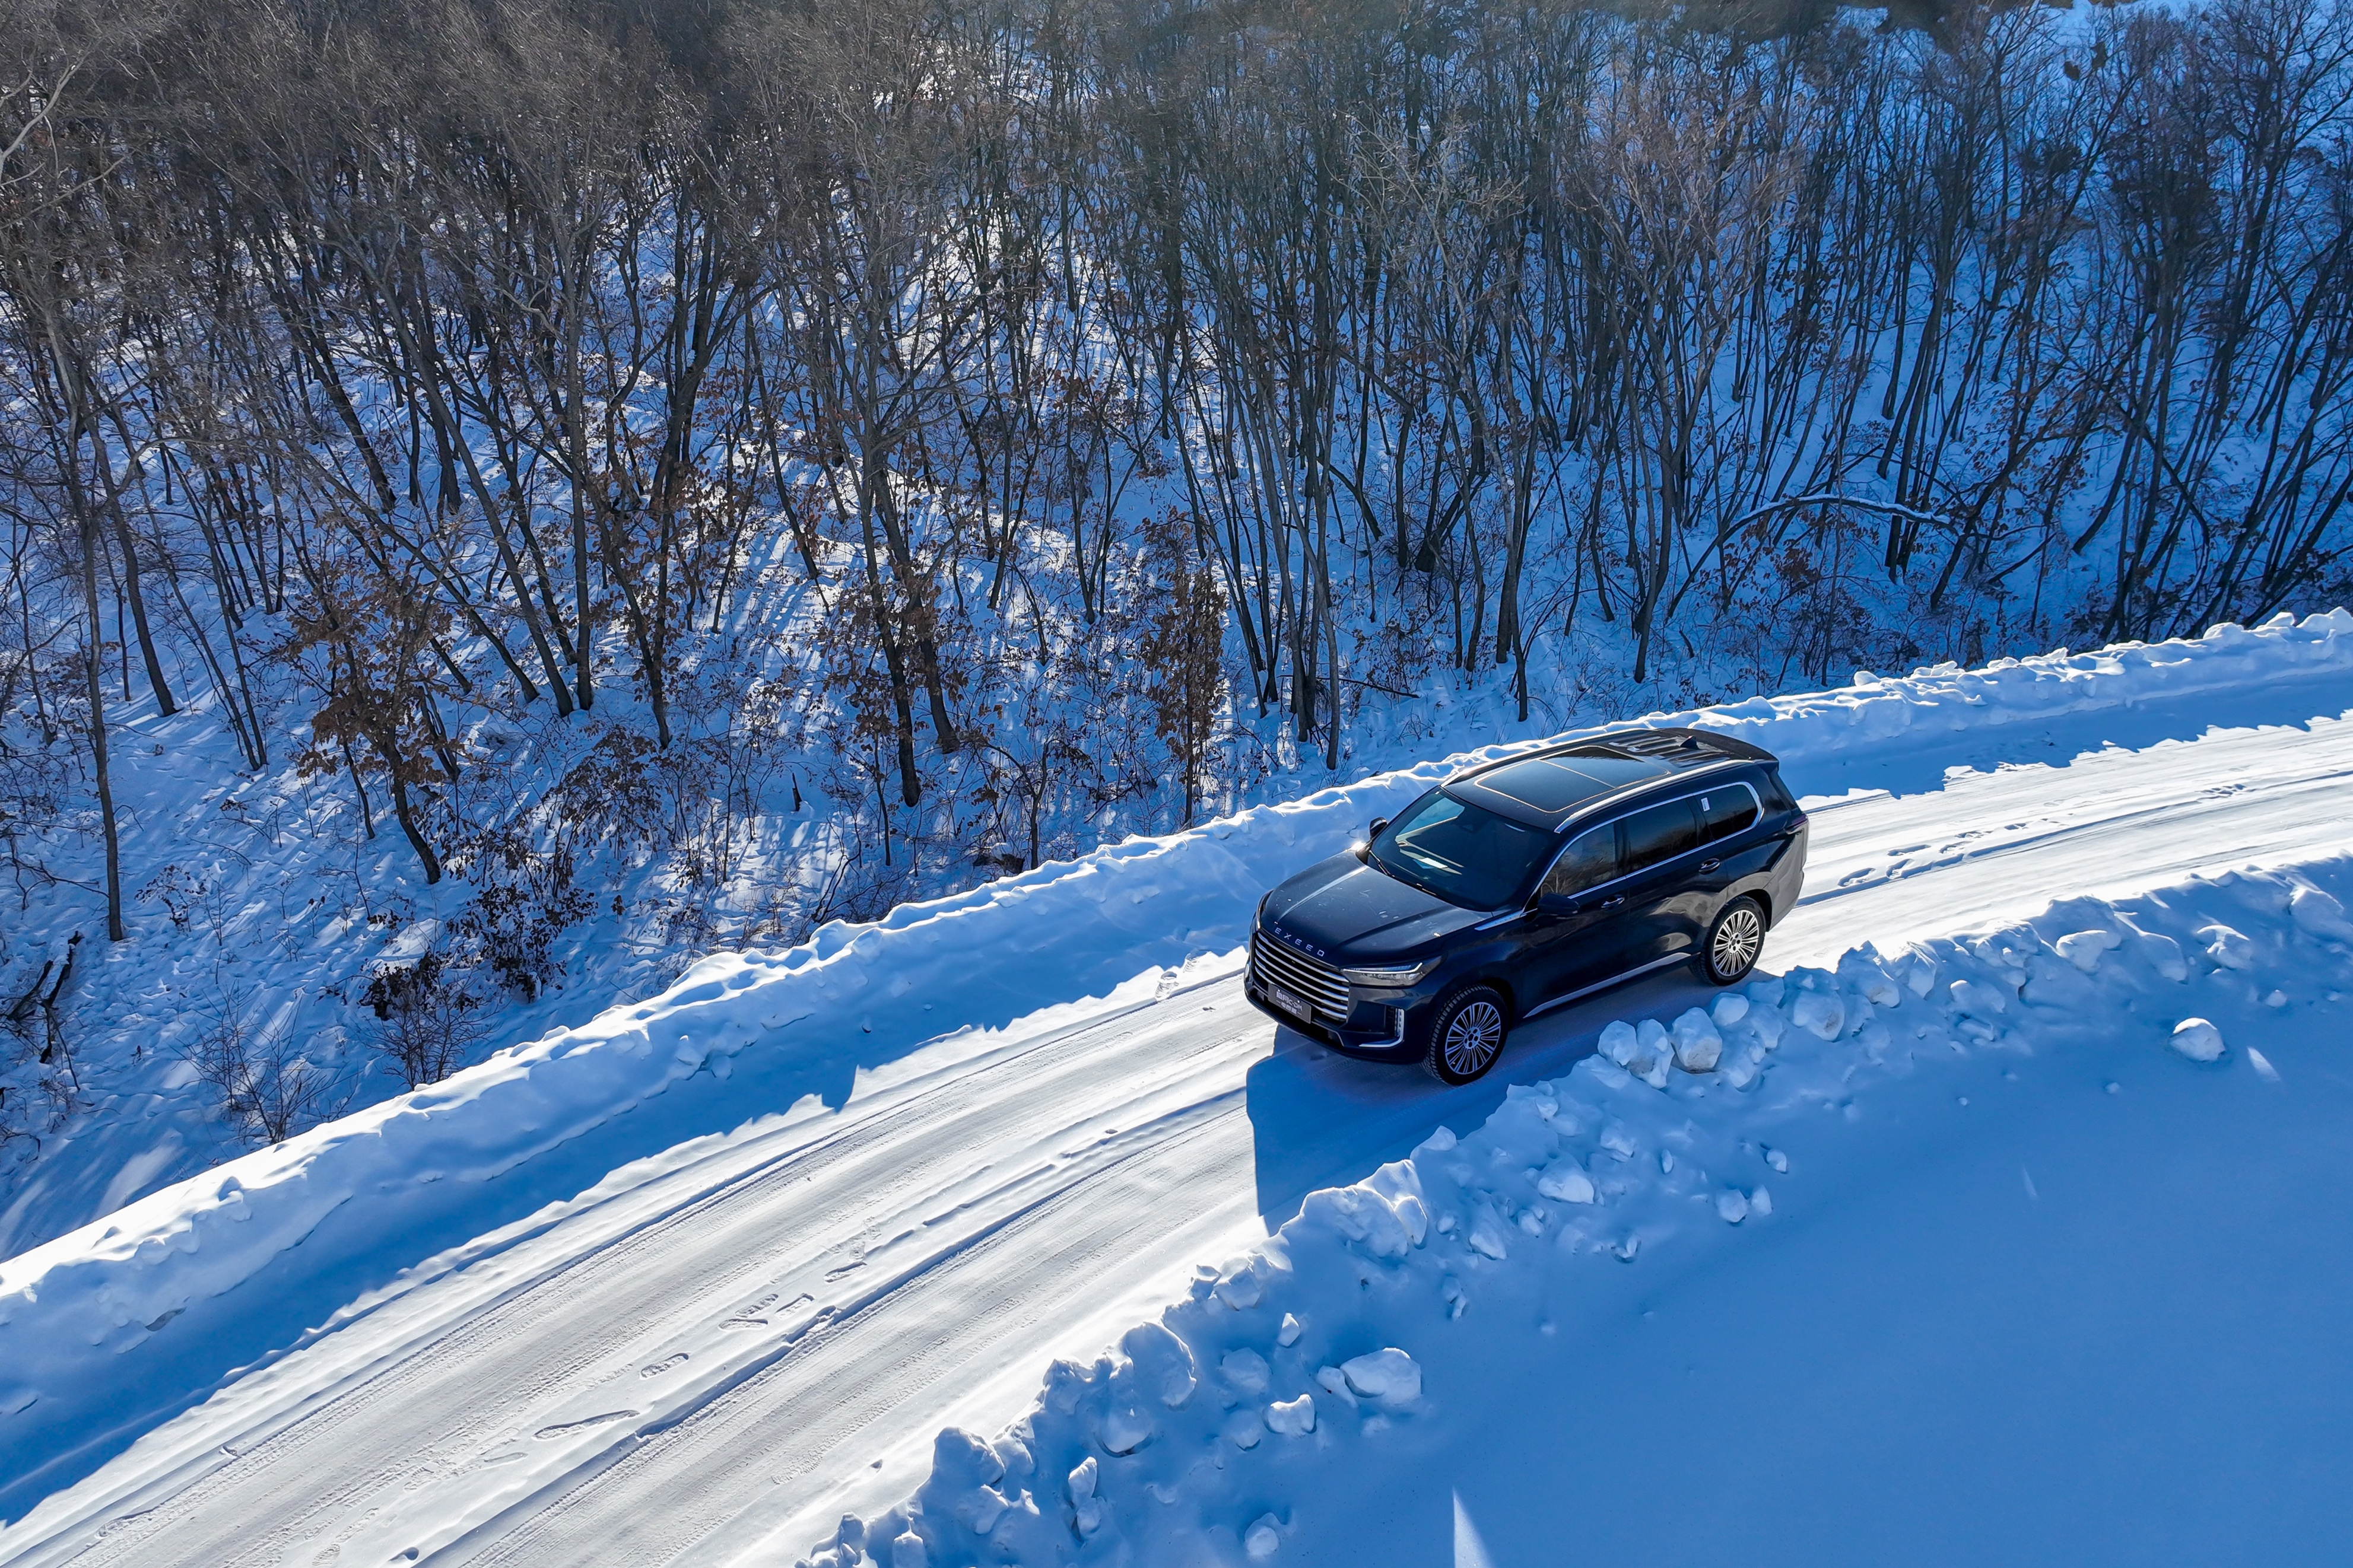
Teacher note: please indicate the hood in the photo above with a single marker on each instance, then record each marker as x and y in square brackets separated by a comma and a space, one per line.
[1345, 910]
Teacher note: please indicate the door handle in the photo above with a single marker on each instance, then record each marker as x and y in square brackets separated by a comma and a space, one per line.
[1709, 865]
[1613, 903]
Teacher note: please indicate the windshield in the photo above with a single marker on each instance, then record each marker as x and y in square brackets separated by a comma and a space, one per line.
[1463, 853]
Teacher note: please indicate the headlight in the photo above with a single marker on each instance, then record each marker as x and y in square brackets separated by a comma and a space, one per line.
[1389, 976]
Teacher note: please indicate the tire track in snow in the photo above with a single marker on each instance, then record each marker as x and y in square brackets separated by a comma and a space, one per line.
[595, 1290]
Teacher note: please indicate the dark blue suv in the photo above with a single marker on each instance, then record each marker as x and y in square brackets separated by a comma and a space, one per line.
[1513, 887]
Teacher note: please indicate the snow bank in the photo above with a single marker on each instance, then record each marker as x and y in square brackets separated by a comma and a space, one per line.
[1310, 1343]
[857, 995]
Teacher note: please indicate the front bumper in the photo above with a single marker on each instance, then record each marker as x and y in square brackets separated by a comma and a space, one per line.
[1380, 1026]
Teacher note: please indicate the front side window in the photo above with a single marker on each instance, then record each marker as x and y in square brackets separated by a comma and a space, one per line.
[1463, 853]
[1588, 863]
[1658, 833]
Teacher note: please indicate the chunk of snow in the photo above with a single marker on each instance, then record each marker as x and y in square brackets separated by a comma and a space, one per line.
[1243, 1428]
[1729, 1009]
[1125, 1428]
[1288, 1333]
[1240, 1289]
[1388, 1376]
[2164, 954]
[2227, 947]
[908, 1552]
[1086, 1509]
[2317, 914]
[1821, 1013]
[1160, 1364]
[1618, 1041]
[1291, 1418]
[1361, 1214]
[1262, 1539]
[2262, 1065]
[1920, 976]
[1565, 1181]
[1487, 1236]
[2198, 1040]
[965, 1474]
[1698, 1047]
[1766, 1024]
[1247, 1371]
[1732, 1207]
[2083, 948]
[1979, 1000]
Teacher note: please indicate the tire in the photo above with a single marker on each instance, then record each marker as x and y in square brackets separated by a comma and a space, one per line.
[1734, 940]
[1467, 1035]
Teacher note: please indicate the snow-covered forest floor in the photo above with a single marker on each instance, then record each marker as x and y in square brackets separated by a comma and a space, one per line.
[489, 525]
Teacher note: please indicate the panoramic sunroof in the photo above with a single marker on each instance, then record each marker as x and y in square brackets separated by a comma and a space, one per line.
[1554, 785]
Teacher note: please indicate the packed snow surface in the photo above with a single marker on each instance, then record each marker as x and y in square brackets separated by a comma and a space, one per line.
[702, 1278]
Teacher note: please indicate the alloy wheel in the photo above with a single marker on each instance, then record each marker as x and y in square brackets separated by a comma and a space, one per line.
[1738, 935]
[1474, 1035]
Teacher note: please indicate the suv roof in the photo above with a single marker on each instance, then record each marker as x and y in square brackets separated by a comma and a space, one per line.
[1547, 788]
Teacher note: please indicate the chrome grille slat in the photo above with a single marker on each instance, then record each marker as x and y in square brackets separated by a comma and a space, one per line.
[1315, 980]
[1319, 983]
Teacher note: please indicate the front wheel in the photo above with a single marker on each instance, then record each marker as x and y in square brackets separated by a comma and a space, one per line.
[1734, 940]
[1467, 1035]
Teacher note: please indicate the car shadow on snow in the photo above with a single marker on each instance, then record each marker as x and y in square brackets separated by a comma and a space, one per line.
[1322, 1120]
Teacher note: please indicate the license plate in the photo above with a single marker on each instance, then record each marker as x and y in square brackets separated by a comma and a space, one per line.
[1290, 1001]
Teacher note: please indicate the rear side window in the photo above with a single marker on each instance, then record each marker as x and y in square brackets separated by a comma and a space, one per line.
[1777, 794]
[1725, 810]
[1588, 863]
[1657, 833]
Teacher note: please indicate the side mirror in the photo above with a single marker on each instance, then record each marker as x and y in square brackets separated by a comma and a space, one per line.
[1380, 825]
[1557, 903]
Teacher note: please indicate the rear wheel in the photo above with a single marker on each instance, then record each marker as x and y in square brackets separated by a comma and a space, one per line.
[1467, 1035]
[1735, 938]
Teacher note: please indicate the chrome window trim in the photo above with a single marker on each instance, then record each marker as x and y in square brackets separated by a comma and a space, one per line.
[1613, 822]
[1611, 803]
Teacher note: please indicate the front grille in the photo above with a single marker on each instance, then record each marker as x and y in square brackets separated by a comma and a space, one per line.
[1271, 962]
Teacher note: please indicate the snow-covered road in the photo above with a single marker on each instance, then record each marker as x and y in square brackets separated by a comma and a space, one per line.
[720, 1350]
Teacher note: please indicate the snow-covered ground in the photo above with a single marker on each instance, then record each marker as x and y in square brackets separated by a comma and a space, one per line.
[695, 1280]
